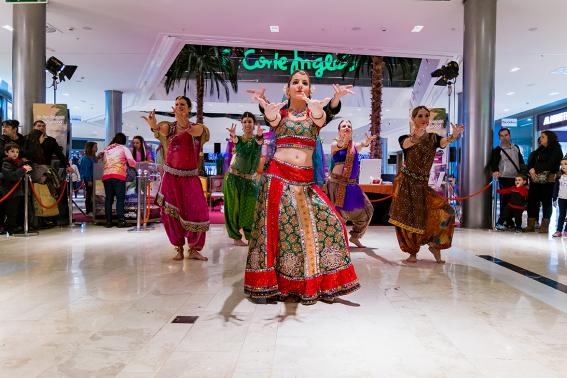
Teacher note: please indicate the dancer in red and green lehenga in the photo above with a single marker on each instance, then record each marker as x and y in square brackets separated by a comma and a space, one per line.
[299, 245]
[240, 187]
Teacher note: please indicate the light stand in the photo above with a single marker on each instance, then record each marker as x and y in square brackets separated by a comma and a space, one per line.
[54, 85]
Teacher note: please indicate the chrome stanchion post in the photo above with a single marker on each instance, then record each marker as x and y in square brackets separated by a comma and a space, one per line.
[138, 227]
[494, 201]
[70, 199]
[26, 208]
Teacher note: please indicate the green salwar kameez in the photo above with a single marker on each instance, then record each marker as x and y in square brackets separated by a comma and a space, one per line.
[240, 188]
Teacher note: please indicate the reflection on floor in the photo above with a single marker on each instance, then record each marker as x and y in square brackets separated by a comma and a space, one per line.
[96, 302]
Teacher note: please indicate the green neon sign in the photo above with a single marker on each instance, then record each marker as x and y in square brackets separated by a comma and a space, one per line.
[319, 65]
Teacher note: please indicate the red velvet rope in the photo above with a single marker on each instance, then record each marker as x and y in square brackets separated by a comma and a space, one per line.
[56, 202]
[11, 191]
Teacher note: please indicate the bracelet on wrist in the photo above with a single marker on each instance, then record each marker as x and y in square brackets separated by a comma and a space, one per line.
[313, 116]
[271, 120]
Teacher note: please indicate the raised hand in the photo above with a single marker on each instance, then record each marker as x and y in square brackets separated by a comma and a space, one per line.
[369, 139]
[257, 93]
[151, 120]
[271, 110]
[232, 131]
[316, 106]
[342, 90]
[457, 130]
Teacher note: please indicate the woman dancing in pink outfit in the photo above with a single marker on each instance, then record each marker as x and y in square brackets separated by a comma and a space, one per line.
[184, 211]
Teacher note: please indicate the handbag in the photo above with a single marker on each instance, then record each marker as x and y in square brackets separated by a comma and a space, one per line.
[543, 177]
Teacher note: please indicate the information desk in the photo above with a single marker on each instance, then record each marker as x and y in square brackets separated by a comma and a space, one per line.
[381, 208]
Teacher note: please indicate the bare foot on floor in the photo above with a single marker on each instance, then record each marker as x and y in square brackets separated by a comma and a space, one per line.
[195, 255]
[411, 259]
[356, 242]
[179, 255]
[240, 243]
[437, 254]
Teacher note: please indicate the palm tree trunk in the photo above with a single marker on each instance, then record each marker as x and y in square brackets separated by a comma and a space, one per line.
[200, 79]
[376, 106]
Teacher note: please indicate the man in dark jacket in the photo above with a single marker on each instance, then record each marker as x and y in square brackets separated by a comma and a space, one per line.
[506, 162]
[10, 134]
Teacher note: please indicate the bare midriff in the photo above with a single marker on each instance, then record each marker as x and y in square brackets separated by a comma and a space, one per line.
[296, 156]
[338, 168]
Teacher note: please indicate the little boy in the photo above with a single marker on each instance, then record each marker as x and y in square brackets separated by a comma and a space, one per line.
[518, 201]
[13, 169]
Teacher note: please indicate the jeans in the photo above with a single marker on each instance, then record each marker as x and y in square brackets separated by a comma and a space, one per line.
[114, 187]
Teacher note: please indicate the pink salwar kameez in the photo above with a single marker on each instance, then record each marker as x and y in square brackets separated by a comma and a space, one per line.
[184, 210]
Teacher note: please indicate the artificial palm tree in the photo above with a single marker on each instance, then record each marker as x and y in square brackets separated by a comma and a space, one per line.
[400, 72]
[214, 66]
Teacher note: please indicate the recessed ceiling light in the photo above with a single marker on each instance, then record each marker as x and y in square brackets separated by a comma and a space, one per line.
[417, 28]
[8, 27]
[65, 94]
[506, 110]
[355, 28]
[386, 110]
[510, 93]
[514, 69]
[274, 28]
[532, 29]
[554, 93]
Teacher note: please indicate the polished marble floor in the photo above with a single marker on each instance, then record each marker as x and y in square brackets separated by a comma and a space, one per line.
[96, 302]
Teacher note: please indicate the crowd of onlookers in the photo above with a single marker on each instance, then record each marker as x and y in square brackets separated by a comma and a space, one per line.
[39, 155]
[536, 186]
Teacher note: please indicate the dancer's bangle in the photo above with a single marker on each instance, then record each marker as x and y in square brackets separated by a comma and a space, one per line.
[271, 120]
[260, 137]
[313, 116]
[451, 138]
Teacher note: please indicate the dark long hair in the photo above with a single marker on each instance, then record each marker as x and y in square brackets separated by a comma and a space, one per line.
[142, 147]
[551, 138]
[89, 146]
[119, 138]
[33, 149]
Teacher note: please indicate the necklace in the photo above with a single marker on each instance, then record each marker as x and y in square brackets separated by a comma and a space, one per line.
[297, 114]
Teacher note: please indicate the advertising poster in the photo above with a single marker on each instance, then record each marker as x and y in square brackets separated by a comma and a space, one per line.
[56, 121]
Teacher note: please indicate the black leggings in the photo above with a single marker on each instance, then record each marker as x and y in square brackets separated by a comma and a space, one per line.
[562, 213]
[540, 194]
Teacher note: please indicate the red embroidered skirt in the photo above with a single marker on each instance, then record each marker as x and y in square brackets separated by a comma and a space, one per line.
[299, 244]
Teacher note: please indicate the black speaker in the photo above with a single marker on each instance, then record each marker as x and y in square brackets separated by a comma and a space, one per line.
[452, 154]
[217, 148]
[393, 159]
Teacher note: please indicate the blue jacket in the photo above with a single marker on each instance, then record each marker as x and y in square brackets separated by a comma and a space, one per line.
[86, 168]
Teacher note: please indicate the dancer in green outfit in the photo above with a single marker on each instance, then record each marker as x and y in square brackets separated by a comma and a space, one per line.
[240, 187]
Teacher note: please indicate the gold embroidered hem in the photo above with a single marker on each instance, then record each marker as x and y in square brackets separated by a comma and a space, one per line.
[405, 226]
[173, 212]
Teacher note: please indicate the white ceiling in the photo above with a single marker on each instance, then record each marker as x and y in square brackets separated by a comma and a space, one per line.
[127, 45]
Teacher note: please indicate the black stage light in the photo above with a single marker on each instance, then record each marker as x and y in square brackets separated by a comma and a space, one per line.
[446, 73]
[67, 72]
[54, 65]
